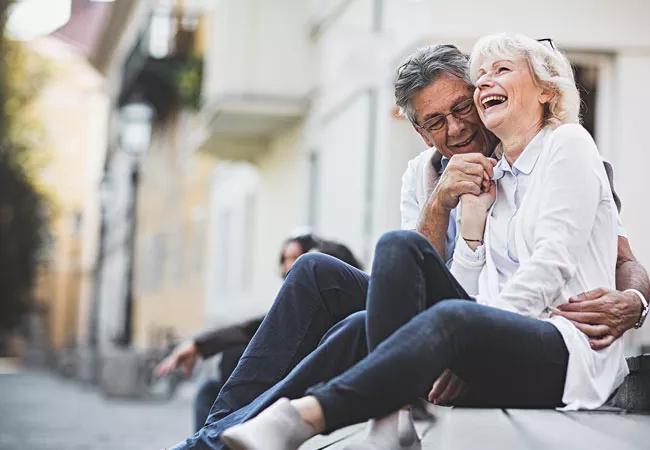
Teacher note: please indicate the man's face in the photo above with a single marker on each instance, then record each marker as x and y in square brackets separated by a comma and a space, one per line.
[462, 132]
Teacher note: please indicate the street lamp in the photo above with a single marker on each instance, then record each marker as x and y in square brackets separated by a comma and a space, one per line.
[136, 121]
[135, 128]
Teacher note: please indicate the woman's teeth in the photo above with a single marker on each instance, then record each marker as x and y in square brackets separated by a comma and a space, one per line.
[493, 100]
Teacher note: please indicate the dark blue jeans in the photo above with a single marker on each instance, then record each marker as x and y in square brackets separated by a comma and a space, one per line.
[408, 277]
[309, 311]
[508, 360]
[209, 389]
[204, 399]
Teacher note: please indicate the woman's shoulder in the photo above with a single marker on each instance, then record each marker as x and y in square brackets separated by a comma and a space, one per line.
[571, 132]
[572, 140]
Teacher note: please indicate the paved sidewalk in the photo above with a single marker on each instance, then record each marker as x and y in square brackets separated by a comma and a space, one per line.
[40, 411]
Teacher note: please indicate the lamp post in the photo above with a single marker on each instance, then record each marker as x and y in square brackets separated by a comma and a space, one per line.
[135, 136]
[90, 370]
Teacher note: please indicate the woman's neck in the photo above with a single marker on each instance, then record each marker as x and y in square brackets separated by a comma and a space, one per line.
[515, 143]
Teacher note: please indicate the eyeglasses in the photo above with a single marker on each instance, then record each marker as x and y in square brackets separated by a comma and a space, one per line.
[438, 122]
[547, 41]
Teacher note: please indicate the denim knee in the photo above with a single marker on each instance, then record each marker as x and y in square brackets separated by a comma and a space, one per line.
[356, 321]
[399, 241]
[454, 310]
[451, 314]
[314, 264]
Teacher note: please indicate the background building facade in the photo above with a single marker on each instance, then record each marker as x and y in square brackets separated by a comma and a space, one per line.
[338, 167]
[268, 116]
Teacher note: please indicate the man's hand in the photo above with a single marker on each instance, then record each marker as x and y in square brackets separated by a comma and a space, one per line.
[465, 174]
[184, 355]
[481, 203]
[446, 388]
[601, 314]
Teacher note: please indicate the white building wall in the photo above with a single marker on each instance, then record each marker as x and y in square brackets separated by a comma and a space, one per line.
[254, 208]
[247, 47]
[630, 155]
[114, 268]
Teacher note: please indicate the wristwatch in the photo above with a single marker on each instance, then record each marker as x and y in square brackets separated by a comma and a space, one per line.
[644, 311]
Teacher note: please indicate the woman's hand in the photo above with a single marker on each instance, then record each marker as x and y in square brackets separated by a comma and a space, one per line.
[474, 214]
[481, 203]
[447, 388]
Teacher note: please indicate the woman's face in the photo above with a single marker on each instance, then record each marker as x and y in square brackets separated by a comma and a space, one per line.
[507, 98]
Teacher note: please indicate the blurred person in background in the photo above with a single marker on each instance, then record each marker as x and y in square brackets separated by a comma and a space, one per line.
[231, 341]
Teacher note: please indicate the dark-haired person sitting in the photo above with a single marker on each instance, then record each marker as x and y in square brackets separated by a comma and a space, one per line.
[231, 341]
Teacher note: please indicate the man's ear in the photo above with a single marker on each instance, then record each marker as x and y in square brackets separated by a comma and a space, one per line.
[424, 135]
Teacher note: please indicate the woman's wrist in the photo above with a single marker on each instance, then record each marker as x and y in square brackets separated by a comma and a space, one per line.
[472, 227]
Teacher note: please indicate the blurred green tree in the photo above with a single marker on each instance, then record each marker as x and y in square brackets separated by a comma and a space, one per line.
[22, 205]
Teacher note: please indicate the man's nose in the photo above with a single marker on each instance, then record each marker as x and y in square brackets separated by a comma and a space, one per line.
[454, 126]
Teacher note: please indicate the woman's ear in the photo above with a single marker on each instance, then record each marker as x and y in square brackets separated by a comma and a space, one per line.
[546, 96]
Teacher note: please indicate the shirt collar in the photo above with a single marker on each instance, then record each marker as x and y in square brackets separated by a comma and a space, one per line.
[438, 161]
[443, 163]
[526, 161]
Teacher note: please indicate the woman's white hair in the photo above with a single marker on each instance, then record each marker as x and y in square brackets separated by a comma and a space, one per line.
[551, 70]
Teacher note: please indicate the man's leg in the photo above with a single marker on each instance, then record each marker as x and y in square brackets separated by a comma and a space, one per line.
[208, 391]
[319, 291]
[518, 362]
[340, 349]
[204, 399]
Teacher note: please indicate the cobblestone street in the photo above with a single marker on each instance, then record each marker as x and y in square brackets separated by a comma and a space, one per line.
[40, 411]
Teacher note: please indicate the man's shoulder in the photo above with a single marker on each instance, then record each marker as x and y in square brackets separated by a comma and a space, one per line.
[424, 157]
[425, 154]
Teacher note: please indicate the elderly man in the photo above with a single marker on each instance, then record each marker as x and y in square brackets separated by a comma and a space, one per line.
[318, 325]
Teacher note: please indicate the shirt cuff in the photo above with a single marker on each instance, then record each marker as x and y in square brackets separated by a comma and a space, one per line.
[467, 257]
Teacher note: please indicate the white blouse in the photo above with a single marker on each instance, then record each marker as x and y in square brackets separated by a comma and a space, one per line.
[551, 233]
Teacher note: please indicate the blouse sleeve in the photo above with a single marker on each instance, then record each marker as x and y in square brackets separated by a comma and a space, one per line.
[467, 264]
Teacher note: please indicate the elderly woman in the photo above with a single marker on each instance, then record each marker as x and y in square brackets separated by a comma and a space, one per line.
[543, 229]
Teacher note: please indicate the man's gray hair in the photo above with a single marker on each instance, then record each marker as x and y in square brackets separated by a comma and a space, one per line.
[422, 68]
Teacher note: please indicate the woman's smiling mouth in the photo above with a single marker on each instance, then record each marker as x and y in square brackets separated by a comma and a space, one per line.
[490, 101]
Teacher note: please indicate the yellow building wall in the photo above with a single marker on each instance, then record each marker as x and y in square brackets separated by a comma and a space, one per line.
[71, 110]
[173, 204]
